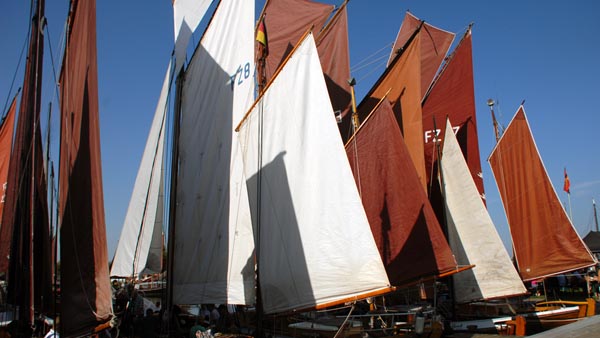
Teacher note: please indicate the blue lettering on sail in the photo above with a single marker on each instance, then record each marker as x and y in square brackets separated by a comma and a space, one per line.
[244, 74]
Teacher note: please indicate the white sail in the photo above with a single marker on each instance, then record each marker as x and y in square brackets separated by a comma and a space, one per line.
[315, 244]
[214, 243]
[472, 234]
[187, 14]
[141, 242]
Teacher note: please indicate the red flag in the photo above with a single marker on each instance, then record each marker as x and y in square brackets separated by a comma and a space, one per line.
[261, 37]
[567, 186]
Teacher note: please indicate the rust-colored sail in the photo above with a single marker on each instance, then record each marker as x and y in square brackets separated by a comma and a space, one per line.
[285, 22]
[25, 215]
[6, 140]
[545, 242]
[453, 96]
[435, 44]
[406, 230]
[85, 284]
[401, 82]
[332, 44]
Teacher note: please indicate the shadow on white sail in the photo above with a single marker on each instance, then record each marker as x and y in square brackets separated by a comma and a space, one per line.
[212, 236]
[311, 228]
[472, 234]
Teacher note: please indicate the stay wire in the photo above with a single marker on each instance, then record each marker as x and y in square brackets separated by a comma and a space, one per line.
[9, 95]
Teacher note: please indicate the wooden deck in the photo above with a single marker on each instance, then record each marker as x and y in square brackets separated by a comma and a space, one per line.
[586, 327]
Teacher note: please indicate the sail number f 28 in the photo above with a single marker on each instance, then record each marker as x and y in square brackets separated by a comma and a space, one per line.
[244, 74]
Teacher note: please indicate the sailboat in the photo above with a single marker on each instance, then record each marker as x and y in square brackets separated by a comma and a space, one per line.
[592, 239]
[85, 295]
[452, 94]
[474, 240]
[210, 228]
[224, 229]
[312, 231]
[545, 243]
[215, 222]
[25, 233]
[401, 218]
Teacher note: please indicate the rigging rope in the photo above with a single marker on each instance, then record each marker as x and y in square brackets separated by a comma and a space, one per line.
[8, 96]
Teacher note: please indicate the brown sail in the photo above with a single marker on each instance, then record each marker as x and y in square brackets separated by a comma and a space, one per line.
[408, 235]
[452, 95]
[6, 141]
[285, 22]
[401, 83]
[434, 46]
[85, 285]
[332, 45]
[7, 130]
[25, 218]
[544, 240]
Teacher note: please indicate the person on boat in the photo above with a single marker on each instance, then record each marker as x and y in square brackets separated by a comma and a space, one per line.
[136, 306]
[214, 315]
[204, 313]
[150, 325]
[51, 333]
[197, 329]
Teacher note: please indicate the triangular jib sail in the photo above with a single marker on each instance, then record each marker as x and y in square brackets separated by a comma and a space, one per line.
[141, 243]
[311, 228]
[471, 233]
[409, 238]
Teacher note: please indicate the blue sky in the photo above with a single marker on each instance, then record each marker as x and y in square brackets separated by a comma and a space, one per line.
[543, 52]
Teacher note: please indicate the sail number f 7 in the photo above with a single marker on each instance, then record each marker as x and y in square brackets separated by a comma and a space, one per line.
[434, 135]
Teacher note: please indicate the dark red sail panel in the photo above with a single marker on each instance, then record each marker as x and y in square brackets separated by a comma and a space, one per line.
[6, 140]
[401, 82]
[544, 240]
[453, 96]
[85, 285]
[25, 216]
[408, 235]
[435, 44]
[285, 22]
[332, 45]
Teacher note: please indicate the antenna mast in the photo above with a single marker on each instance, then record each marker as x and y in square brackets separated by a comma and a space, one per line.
[491, 103]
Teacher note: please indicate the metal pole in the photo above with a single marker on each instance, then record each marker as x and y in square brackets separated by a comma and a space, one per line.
[595, 214]
[570, 211]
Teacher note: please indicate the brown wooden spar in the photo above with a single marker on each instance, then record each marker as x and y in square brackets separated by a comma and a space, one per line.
[406, 231]
[544, 240]
[85, 284]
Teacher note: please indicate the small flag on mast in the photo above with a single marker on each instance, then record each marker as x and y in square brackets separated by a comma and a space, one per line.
[261, 35]
[567, 185]
[262, 50]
